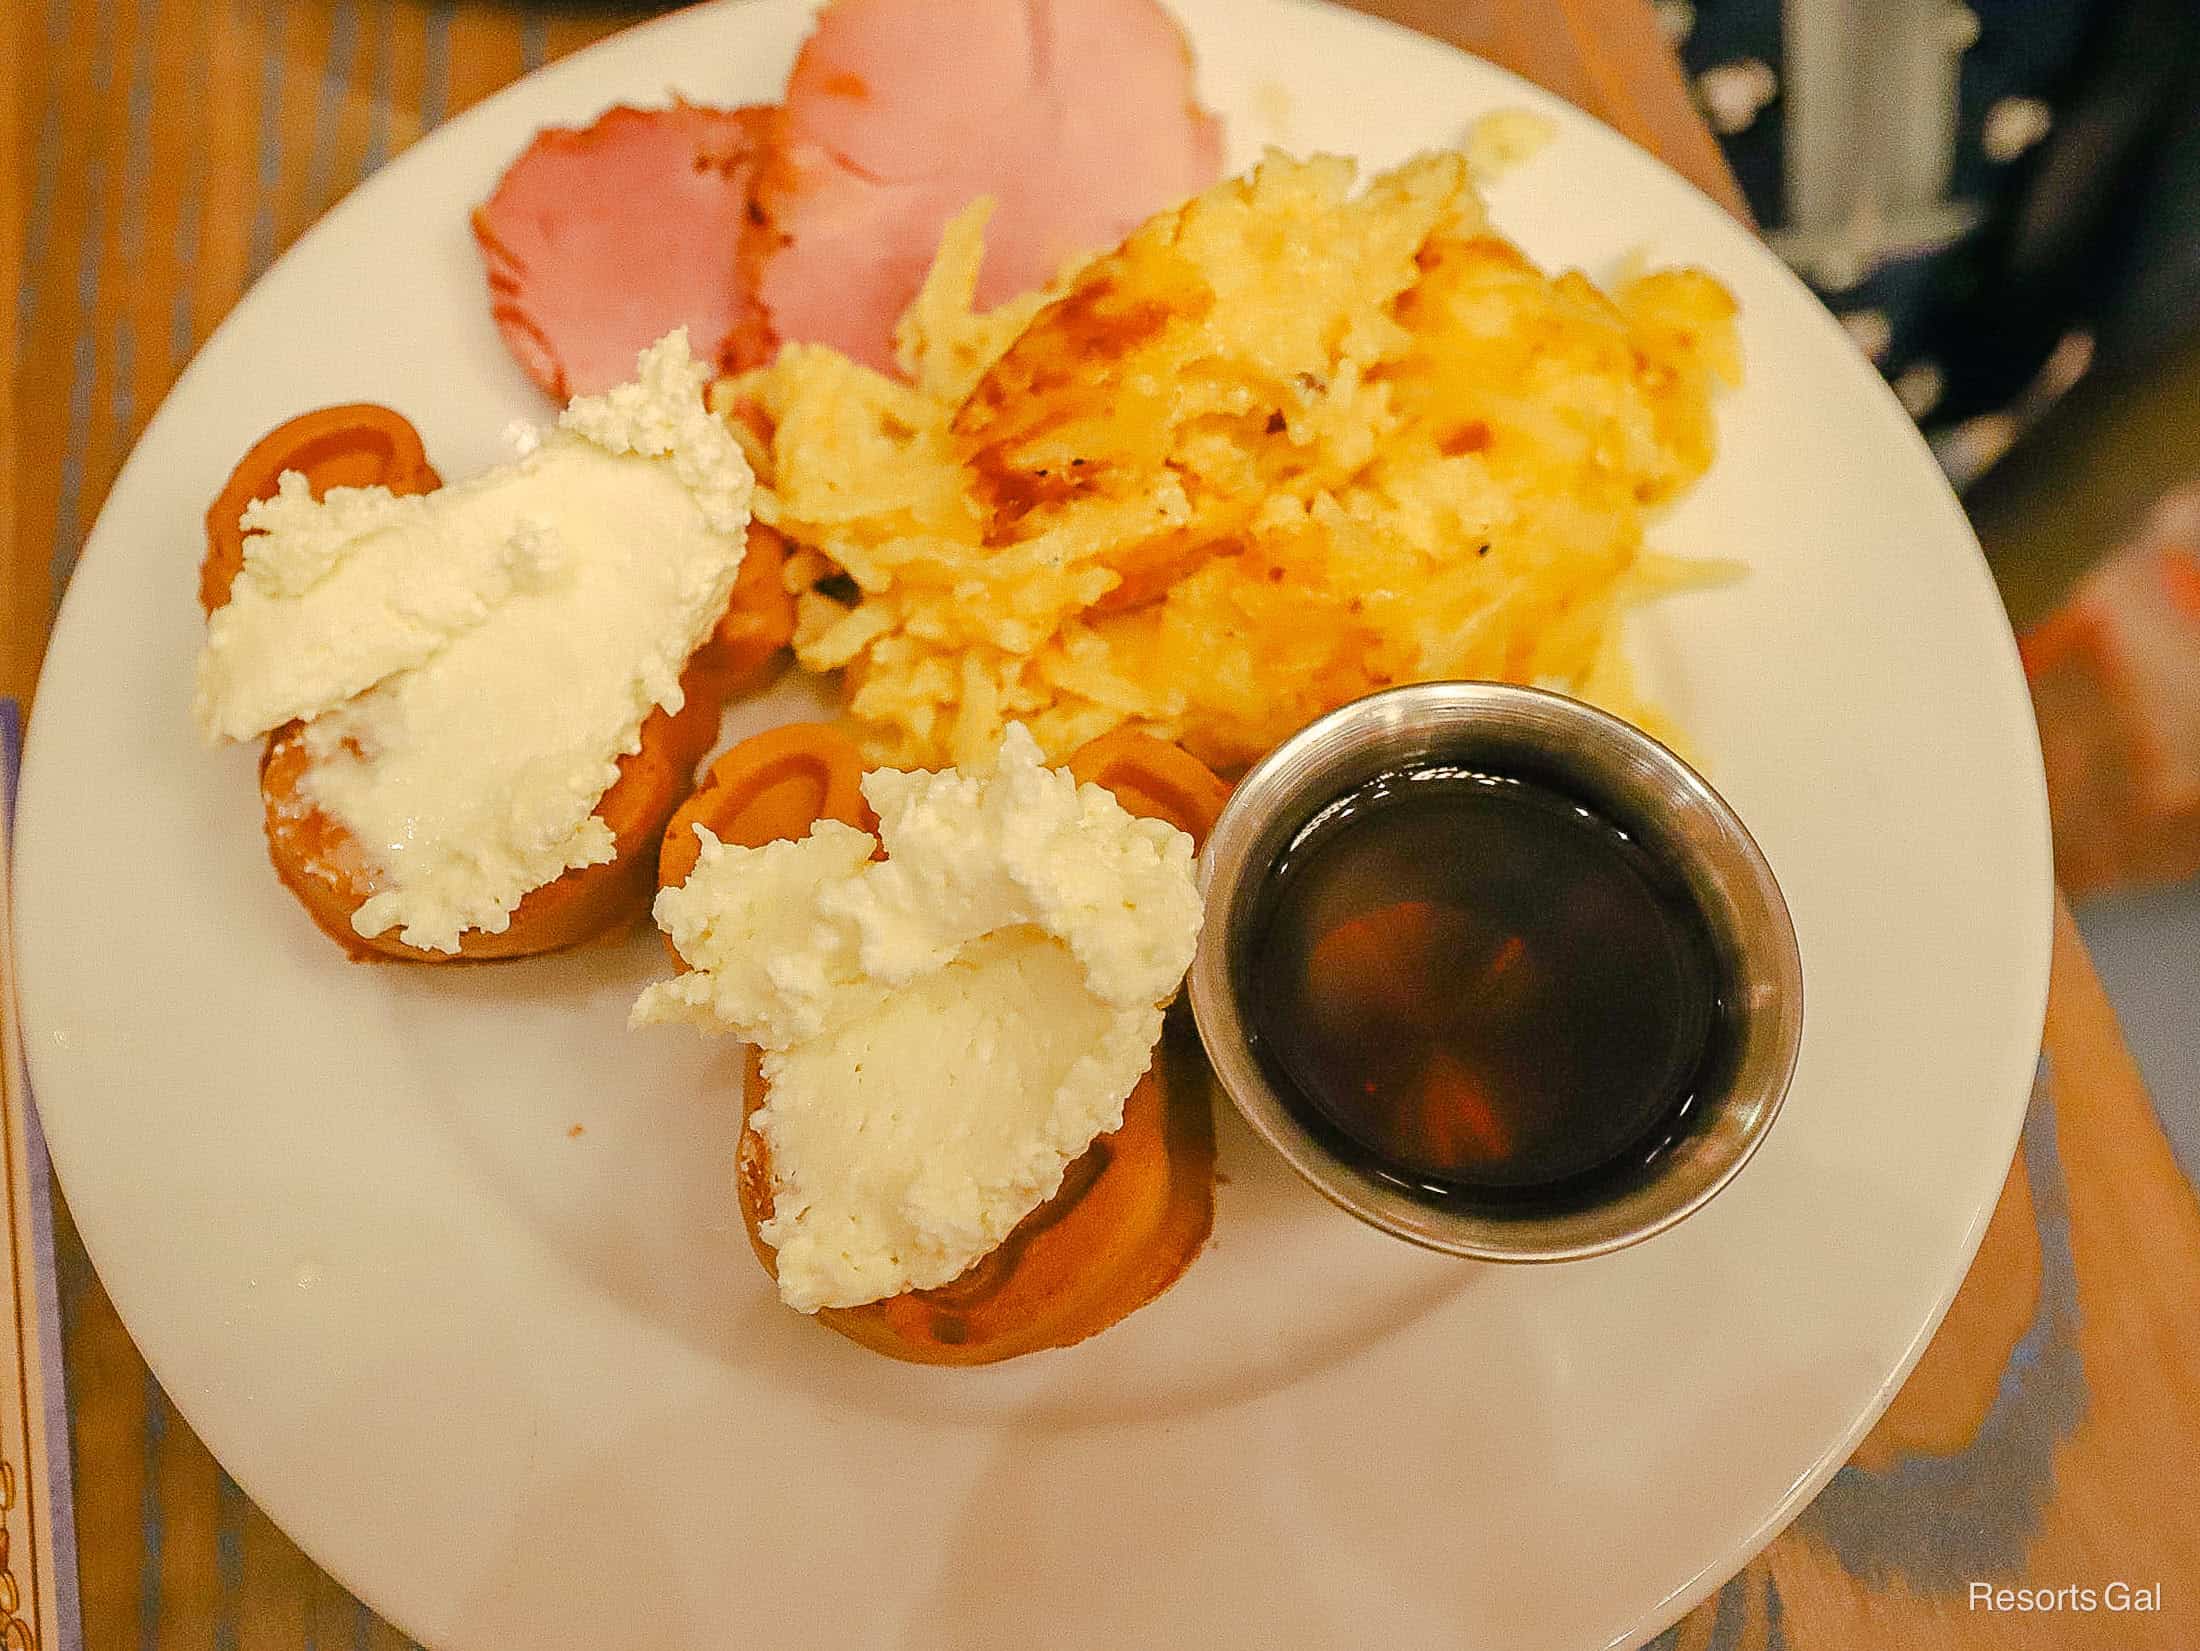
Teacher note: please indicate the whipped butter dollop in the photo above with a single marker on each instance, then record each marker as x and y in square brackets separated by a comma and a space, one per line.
[471, 663]
[944, 1031]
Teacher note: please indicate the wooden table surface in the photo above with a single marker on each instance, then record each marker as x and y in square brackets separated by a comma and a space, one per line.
[167, 150]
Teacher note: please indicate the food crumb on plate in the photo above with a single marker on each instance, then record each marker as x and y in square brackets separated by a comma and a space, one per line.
[1505, 138]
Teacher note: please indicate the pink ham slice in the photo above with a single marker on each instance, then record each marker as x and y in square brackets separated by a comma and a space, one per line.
[1077, 116]
[599, 242]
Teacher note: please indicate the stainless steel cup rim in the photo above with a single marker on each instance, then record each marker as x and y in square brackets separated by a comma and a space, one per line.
[1632, 778]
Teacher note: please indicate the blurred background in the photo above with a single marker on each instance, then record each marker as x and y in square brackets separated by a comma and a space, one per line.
[2000, 200]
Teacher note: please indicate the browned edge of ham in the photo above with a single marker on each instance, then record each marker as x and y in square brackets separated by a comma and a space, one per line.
[601, 240]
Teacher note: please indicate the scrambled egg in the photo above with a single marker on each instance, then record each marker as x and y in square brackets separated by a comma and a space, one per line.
[1287, 445]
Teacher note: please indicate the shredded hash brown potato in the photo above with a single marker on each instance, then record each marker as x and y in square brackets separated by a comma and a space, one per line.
[1285, 446]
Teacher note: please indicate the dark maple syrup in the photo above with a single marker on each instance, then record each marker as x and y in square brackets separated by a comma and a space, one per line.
[1483, 989]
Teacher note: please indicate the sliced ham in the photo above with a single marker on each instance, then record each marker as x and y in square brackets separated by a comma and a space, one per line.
[1077, 116]
[600, 241]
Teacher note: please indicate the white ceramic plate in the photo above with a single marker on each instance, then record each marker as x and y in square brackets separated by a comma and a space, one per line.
[521, 1387]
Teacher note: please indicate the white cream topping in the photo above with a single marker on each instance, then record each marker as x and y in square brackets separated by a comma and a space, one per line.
[336, 595]
[661, 415]
[473, 662]
[945, 1031]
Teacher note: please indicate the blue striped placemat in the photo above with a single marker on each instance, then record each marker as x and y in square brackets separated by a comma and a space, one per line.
[37, 1506]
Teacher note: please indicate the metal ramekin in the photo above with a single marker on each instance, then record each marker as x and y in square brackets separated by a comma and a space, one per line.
[1635, 782]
